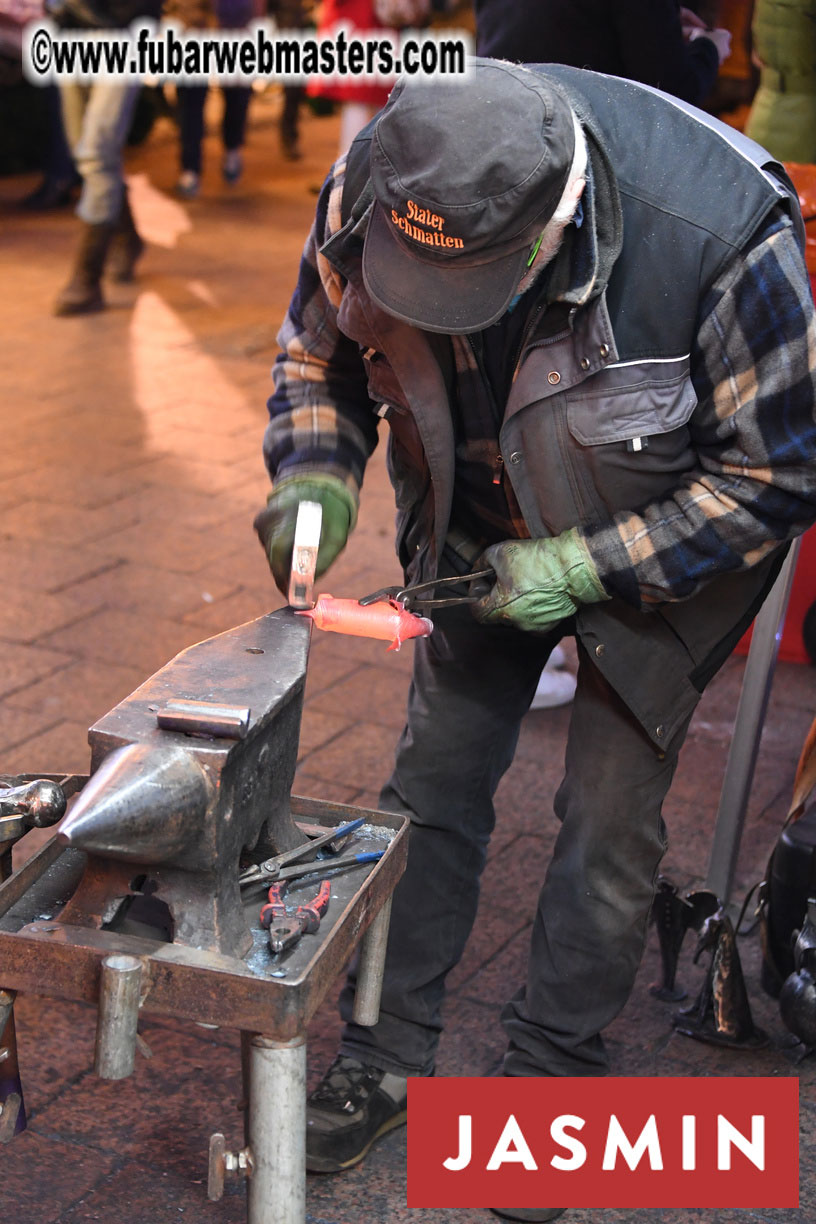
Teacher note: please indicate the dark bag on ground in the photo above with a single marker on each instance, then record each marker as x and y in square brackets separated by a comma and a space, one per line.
[789, 880]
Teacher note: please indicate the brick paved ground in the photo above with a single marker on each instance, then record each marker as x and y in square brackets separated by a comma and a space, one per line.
[129, 475]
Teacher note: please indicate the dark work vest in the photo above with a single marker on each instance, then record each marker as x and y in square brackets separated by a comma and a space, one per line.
[689, 201]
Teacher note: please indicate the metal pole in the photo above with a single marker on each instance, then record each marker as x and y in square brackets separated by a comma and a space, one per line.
[277, 1129]
[370, 968]
[246, 1063]
[742, 755]
[119, 996]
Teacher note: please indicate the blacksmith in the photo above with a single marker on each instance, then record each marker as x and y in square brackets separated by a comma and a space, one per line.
[603, 387]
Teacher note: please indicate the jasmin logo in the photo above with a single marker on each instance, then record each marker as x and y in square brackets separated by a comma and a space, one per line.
[424, 226]
[512, 1146]
[643, 1142]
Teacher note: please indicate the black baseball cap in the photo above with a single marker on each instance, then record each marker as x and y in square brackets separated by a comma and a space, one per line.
[466, 172]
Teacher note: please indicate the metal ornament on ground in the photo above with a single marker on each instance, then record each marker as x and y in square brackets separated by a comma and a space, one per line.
[721, 1013]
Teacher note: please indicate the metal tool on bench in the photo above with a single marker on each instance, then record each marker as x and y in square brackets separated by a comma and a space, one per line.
[271, 868]
[286, 867]
[24, 804]
[420, 598]
[31, 805]
[286, 929]
[297, 870]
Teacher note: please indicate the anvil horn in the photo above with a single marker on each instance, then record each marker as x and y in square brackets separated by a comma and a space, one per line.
[145, 803]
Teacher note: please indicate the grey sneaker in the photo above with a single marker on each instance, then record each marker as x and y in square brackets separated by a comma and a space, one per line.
[232, 166]
[188, 185]
[352, 1106]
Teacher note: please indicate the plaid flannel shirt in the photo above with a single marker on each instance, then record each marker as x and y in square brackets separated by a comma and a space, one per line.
[753, 368]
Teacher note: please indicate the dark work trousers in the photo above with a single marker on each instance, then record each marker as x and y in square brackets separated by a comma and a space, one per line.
[59, 163]
[471, 687]
[191, 99]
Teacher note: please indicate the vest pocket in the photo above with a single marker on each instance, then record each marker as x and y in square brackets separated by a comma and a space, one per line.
[630, 401]
[629, 432]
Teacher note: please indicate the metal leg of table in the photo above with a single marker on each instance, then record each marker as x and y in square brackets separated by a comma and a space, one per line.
[12, 1110]
[243, 1104]
[371, 967]
[753, 702]
[277, 1131]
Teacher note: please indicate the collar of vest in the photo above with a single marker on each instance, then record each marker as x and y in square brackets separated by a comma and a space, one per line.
[582, 268]
[597, 245]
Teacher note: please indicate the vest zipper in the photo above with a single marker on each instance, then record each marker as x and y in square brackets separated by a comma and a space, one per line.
[498, 462]
[525, 335]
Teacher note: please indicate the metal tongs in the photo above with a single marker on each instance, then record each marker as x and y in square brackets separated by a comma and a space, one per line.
[413, 598]
[285, 866]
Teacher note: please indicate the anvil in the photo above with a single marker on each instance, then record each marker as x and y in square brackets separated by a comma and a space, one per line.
[189, 772]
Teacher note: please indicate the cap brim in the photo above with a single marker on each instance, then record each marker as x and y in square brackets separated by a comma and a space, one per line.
[440, 296]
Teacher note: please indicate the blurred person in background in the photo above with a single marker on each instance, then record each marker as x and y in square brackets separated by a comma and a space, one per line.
[61, 180]
[359, 99]
[200, 15]
[97, 120]
[654, 41]
[41, 133]
[783, 114]
[290, 15]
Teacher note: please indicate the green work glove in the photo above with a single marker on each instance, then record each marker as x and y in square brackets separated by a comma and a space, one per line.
[275, 524]
[538, 582]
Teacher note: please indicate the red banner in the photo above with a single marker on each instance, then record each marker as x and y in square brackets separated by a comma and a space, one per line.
[613, 1142]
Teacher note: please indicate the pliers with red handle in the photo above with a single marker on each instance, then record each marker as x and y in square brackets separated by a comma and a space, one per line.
[286, 929]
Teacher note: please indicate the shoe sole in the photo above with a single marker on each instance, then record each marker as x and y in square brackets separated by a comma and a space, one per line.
[69, 311]
[534, 1216]
[322, 1164]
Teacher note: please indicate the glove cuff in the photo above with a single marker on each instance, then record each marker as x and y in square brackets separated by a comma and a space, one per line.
[316, 486]
[584, 582]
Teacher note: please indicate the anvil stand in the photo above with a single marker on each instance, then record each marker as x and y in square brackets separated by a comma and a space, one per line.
[181, 792]
[270, 1004]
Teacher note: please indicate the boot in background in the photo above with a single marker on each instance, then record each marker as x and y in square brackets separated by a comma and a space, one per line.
[83, 293]
[126, 246]
[289, 122]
